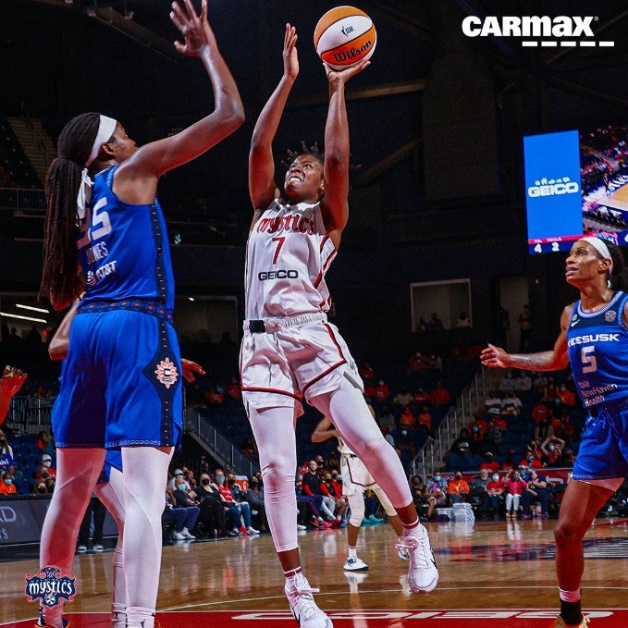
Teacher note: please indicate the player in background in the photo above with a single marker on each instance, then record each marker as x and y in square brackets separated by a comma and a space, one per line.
[289, 351]
[593, 339]
[121, 386]
[10, 383]
[355, 480]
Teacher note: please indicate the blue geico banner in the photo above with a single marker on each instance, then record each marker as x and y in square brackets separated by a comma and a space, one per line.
[552, 180]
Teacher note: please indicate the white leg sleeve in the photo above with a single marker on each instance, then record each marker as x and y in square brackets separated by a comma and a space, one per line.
[350, 415]
[273, 429]
[77, 473]
[385, 502]
[144, 477]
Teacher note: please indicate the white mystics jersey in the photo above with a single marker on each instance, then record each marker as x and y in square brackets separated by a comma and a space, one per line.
[288, 254]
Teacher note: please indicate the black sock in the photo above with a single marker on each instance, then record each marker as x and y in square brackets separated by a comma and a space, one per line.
[571, 612]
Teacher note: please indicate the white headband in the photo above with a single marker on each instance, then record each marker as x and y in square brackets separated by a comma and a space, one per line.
[600, 246]
[105, 130]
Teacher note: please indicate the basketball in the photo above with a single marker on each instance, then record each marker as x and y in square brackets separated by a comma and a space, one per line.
[344, 36]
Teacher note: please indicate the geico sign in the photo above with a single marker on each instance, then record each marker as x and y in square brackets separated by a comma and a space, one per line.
[7, 514]
[535, 191]
[528, 26]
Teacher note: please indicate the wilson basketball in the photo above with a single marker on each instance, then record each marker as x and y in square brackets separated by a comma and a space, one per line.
[344, 36]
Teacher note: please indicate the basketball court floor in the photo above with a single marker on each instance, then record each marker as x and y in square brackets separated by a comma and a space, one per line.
[493, 574]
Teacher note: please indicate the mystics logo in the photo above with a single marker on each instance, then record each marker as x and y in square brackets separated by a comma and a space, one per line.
[564, 31]
[50, 586]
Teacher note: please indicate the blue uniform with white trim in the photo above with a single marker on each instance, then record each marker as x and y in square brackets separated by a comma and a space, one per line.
[598, 353]
[121, 380]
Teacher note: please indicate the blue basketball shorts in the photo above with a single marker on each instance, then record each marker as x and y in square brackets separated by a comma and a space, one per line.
[603, 452]
[120, 383]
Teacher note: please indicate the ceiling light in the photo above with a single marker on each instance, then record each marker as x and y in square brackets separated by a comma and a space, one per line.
[24, 318]
[34, 309]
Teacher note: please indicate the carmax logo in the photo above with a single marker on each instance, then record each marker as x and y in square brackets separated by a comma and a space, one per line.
[563, 30]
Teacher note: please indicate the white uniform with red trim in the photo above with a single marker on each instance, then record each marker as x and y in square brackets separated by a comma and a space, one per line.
[300, 354]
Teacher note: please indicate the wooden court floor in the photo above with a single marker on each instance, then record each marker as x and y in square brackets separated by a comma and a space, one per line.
[493, 574]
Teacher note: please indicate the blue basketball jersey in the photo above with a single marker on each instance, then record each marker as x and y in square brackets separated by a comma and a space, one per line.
[123, 248]
[598, 352]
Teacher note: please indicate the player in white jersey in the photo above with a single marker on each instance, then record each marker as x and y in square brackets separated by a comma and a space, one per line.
[289, 350]
[355, 480]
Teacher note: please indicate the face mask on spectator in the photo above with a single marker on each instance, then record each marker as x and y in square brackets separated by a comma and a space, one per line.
[42, 488]
[8, 480]
[496, 478]
[47, 463]
[458, 476]
[205, 481]
[220, 479]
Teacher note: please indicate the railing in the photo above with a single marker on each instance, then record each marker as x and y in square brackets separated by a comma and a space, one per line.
[22, 198]
[30, 414]
[220, 444]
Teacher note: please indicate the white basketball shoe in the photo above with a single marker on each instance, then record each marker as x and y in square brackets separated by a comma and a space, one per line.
[303, 606]
[353, 563]
[422, 572]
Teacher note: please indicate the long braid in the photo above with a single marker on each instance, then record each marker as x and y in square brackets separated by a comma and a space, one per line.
[61, 280]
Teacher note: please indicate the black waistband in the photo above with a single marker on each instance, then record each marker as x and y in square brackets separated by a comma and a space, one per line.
[257, 327]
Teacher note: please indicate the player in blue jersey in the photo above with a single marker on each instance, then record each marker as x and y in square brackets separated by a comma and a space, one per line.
[594, 340]
[121, 387]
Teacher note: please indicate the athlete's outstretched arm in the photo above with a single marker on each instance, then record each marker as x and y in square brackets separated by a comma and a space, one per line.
[322, 432]
[335, 204]
[262, 187]
[156, 158]
[554, 360]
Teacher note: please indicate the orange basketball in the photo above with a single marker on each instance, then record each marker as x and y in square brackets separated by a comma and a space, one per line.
[344, 36]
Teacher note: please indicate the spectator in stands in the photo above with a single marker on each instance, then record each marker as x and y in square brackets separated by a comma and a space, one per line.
[7, 487]
[478, 421]
[332, 463]
[525, 328]
[177, 473]
[424, 419]
[10, 382]
[238, 512]
[417, 363]
[386, 421]
[45, 443]
[492, 437]
[255, 499]
[457, 489]
[523, 383]
[435, 323]
[194, 397]
[234, 390]
[507, 383]
[462, 444]
[436, 492]
[542, 410]
[313, 504]
[566, 397]
[5, 448]
[213, 397]
[552, 448]
[511, 405]
[435, 363]
[335, 491]
[45, 470]
[312, 486]
[382, 392]
[490, 464]
[403, 398]
[366, 372]
[421, 396]
[476, 439]
[98, 510]
[212, 513]
[440, 396]
[493, 403]
[564, 430]
[249, 447]
[551, 390]
[508, 463]
[478, 491]
[537, 490]
[495, 491]
[407, 420]
[568, 460]
[463, 322]
[421, 326]
[514, 486]
[539, 381]
[184, 517]
[543, 431]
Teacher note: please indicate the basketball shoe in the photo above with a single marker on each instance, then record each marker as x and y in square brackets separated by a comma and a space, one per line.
[560, 623]
[422, 572]
[353, 563]
[303, 606]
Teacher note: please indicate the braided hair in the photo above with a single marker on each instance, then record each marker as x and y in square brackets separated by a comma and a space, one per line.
[619, 280]
[61, 280]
